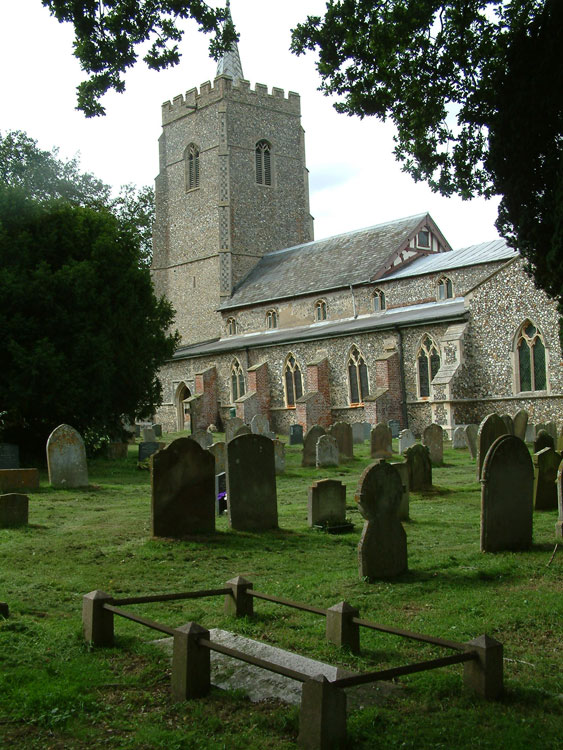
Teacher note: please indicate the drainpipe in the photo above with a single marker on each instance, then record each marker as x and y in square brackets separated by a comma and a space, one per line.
[402, 378]
[353, 302]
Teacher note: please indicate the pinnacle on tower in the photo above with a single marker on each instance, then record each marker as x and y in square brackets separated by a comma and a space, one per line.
[229, 63]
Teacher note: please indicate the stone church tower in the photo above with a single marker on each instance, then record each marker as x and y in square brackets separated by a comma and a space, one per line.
[232, 186]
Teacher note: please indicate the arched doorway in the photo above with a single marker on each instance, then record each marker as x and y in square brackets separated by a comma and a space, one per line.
[182, 408]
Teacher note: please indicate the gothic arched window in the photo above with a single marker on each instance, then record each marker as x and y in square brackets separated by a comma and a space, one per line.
[293, 381]
[272, 319]
[231, 326]
[427, 364]
[357, 376]
[263, 163]
[191, 156]
[379, 302]
[238, 387]
[320, 310]
[530, 350]
[444, 288]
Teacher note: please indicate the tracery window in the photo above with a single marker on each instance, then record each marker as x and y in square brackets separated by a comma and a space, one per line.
[231, 326]
[272, 319]
[320, 309]
[428, 364]
[379, 302]
[530, 349]
[293, 381]
[238, 387]
[263, 163]
[357, 376]
[191, 156]
[445, 289]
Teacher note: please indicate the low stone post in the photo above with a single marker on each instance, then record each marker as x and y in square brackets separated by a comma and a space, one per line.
[322, 717]
[340, 628]
[97, 622]
[484, 675]
[191, 664]
[239, 603]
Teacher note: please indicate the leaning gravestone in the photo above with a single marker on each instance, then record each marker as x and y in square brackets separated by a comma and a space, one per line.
[327, 503]
[231, 426]
[219, 452]
[342, 433]
[310, 445]
[543, 440]
[381, 445]
[546, 465]
[203, 438]
[327, 452]
[520, 424]
[296, 434]
[9, 456]
[459, 440]
[251, 483]
[403, 469]
[433, 439]
[471, 431]
[507, 485]
[357, 433]
[66, 458]
[406, 439]
[382, 551]
[183, 490]
[419, 465]
[14, 510]
[259, 424]
[559, 523]
[490, 429]
[279, 456]
[509, 423]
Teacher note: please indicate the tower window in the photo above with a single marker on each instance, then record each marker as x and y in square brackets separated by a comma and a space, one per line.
[192, 167]
[530, 349]
[379, 302]
[445, 289]
[428, 364]
[357, 376]
[272, 319]
[293, 381]
[320, 310]
[238, 387]
[263, 163]
[231, 326]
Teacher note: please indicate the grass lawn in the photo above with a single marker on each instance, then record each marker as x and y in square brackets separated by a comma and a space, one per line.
[55, 692]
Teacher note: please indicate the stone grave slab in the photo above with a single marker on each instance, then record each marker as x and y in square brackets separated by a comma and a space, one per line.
[459, 440]
[403, 469]
[433, 439]
[543, 440]
[146, 450]
[309, 457]
[381, 445]
[357, 433]
[251, 483]
[471, 431]
[203, 438]
[9, 456]
[490, 429]
[243, 430]
[326, 503]
[148, 435]
[419, 466]
[231, 426]
[219, 452]
[14, 510]
[259, 424]
[395, 427]
[406, 439]
[13, 480]
[520, 423]
[509, 423]
[157, 429]
[342, 433]
[295, 434]
[279, 456]
[327, 452]
[530, 433]
[66, 458]
[546, 465]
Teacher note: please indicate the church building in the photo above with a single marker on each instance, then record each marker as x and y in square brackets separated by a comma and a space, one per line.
[386, 322]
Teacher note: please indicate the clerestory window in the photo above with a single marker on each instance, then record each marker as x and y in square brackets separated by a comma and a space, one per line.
[445, 289]
[231, 326]
[272, 319]
[379, 302]
[320, 310]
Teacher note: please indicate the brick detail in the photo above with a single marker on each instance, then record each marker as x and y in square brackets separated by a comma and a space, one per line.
[259, 383]
[204, 408]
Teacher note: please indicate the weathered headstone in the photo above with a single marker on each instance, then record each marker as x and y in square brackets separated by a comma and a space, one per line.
[530, 433]
[15, 480]
[203, 438]
[137, 428]
[459, 439]
[327, 503]
[543, 440]
[551, 428]
[220, 493]
[183, 490]
[403, 469]
[66, 458]
[506, 496]
[231, 426]
[243, 430]
[14, 510]
[9, 456]
[148, 435]
[147, 449]
[219, 452]
[327, 452]
[490, 429]
[433, 439]
[509, 423]
[259, 424]
[381, 445]
[395, 427]
[251, 483]
[419, 465]
[279, 456]
[382, 551]
[342, 433]
[367, 430]
[546, 465]
[559, 522]
[406, 439]
[157, 429]
[357, 432]
[471, 431]
[295, 434]
[520, 424]
[310, 445]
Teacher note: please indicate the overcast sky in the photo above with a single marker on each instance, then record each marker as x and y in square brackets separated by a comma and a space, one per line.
[354, 180]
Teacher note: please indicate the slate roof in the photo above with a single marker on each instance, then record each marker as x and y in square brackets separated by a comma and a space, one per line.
[321, 265]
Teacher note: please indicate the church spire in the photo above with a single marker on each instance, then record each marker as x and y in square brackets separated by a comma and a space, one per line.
[229, 63]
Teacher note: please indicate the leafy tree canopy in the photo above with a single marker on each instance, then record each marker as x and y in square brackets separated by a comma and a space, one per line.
[109, 32]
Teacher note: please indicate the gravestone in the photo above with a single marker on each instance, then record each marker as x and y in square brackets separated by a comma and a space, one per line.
[381, 446]
[507, 486]
[342, 433]
[243, 430]
[327, 503]
[219, 452]
[459, 439]
[530, 433]
[220, 493]
[357, 433]
[9, 456]
[490, 429]
[183, 490]
[382, 551]
[14, 510]
[509, 423]
[520, 424]
[157, 429]
[367, 430]
[403, 469]
[559, 522]
[137, 428]
[147, 449]
[395, 427]
[203, 438]
[259, 424]
[296, 434]
[251, 483]
[231, 426]
[406, 439]
[66, 458]
[471, 431]
[279, 456]
[309, 457]
[327, 452]
[419, 465]
[433, 439]
[551, 427]
[546, 465]
[543, 440]
[15, 480]
[149, 435]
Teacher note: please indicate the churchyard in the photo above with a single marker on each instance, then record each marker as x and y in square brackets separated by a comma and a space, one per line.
[57, 692]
